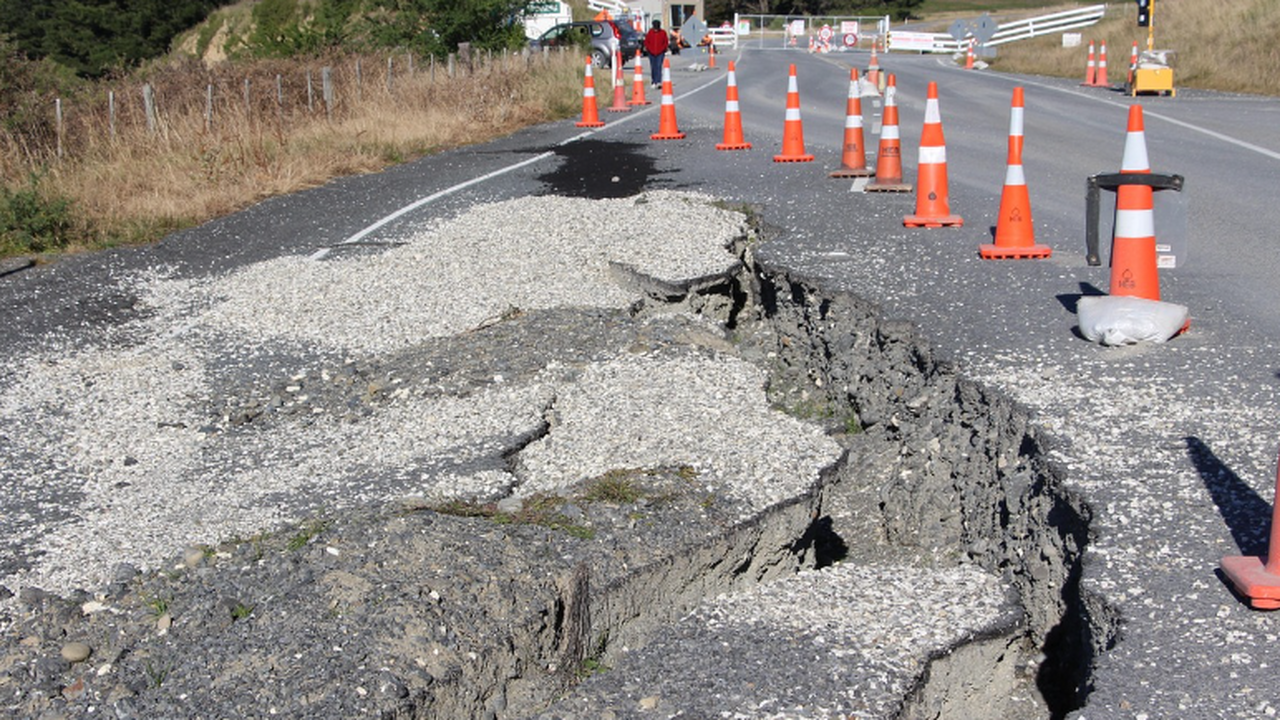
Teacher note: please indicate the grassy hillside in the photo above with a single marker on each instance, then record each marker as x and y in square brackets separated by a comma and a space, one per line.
[932, 8]
[1218, 45]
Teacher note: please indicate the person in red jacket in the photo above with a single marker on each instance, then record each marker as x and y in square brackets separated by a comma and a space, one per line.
[655, 43]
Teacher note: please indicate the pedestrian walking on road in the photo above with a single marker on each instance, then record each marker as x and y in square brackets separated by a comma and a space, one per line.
[655, 43]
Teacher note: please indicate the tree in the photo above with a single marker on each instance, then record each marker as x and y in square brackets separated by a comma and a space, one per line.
[437, 26]
[92, 36]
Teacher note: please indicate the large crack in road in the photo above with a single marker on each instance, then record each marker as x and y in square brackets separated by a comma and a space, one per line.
[920, 557]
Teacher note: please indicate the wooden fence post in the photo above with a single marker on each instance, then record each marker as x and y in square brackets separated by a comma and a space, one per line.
[149, 106]
[451, 65]
[326, 84]
[248, 104]
[389, 69]
[310, 93]
[359, 83]
[111, 115]
[57, 112]
[464, 56]
[279, 98]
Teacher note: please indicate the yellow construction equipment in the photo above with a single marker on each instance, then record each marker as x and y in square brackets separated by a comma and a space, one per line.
[1154, 73]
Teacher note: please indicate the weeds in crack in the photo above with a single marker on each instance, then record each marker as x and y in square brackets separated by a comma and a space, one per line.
[305, 534]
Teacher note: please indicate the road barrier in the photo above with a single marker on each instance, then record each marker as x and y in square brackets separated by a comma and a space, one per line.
[1005, 32]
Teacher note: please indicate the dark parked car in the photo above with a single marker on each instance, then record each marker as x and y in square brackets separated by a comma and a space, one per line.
[598, 34]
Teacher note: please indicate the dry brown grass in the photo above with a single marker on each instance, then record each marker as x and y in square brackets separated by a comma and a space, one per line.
[137, 185]
[1230, 46]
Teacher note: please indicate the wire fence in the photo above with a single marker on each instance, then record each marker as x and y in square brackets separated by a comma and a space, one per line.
[222, 98]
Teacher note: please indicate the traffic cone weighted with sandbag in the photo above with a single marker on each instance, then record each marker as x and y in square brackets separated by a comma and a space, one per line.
[1133, 312]
[1133, 246]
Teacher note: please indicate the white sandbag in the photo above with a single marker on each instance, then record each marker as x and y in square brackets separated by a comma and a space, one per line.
[1120, 320]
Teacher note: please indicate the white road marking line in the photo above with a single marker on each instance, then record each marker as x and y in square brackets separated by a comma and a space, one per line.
[1146, 112]
[382, 222]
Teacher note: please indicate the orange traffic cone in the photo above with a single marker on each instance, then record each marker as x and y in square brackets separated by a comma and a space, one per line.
[733, 139]
[1090, 72]
[1257, 577]
[637, 86]
[873, 67]
[667, 128]
[619, 89]
[933, 208]
[793, 130]
[889, 153]
[711, 56]
[590, 113]
[1133, 246]
[853, 162]
[968, 56]
[1133, 63]
[1100, 80]
[1015, 234]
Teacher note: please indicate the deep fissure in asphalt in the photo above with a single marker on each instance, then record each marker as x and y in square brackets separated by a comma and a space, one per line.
[937, 466]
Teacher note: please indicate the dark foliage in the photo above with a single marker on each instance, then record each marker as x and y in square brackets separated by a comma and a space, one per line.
[94, 36]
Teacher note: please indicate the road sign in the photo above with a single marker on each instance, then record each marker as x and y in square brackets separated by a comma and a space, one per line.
[958, 29]
[850, 39]
[984, 29]
[825, 33]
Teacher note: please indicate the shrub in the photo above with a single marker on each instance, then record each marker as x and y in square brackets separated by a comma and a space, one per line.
[32, 221]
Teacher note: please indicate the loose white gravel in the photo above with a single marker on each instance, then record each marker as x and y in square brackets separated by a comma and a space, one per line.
[531, 253]
[122, 426]
[646, 411]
